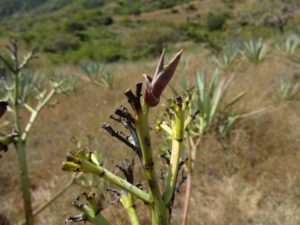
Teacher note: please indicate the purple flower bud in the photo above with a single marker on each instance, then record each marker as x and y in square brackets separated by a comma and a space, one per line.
[162, 76]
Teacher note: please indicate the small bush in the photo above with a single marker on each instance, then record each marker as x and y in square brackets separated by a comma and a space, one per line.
[106, 51]
[145, 42]
[91, 4]
[103, 20]
[75, 26]
[164, 4]
[216, 21]
[199, 34]
[62, 43]
[132, 7]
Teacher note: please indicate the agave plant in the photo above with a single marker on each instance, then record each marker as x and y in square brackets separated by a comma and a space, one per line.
[209, 112]
[227, 57]
[97, 74]
[28, 82]
[290, 43]
[209, 100]
[288, 88]
[255, 50]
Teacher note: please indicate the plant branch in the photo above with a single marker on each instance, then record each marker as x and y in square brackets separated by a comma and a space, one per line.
[36, 112]
[158, 210]
[128, 202]
[177, 139]
[54, 197]
[86, 166]
[190, 168]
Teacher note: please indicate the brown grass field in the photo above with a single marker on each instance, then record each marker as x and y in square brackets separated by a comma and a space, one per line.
[252, 179]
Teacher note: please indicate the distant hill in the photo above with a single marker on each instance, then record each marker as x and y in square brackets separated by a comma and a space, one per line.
[12, 7]
[105, 30]
[9, 7]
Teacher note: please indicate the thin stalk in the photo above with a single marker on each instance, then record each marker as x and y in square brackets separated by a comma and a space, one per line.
[97, 219]
[54, 197]
[100, 220]
[15, 105]
[20, 147]
[175, 156]
[112, 178]
[107, 175]
[190, 169]
[158, 211]
[35, 113]
[128, 203]
[187, 197]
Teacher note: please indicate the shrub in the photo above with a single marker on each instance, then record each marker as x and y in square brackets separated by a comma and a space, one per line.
[200, 34]
[216, 21]
[91, 4]
[103, 20]
[75, 26]
[144, 42]
[62, 43]
[105, 51]
[164, 4]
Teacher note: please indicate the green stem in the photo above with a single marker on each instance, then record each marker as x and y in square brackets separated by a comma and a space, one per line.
[15, 105]
[54, 197]
[107, 175]
[159, 213]
[177, 140]
[128, 203]
[100, 220]
[101, 172]
[20, 147]
[95, 219]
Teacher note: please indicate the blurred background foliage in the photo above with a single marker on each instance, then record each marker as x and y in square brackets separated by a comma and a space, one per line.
[109, 31]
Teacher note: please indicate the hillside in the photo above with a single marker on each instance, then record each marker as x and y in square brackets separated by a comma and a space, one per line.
[10, 7]
[71, 31]
[247, 162]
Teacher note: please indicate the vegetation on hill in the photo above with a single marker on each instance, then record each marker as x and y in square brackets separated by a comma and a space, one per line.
[71, 31]
[240, 63]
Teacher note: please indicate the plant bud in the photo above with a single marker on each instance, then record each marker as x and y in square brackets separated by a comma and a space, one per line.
[163, 74]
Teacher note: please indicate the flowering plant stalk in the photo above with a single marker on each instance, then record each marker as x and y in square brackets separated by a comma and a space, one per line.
[158, 198]
[15, 97]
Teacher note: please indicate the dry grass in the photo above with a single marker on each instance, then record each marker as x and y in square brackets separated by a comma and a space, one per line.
[255, 180]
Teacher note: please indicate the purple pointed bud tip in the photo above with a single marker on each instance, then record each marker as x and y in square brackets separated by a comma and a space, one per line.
[162, 76]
